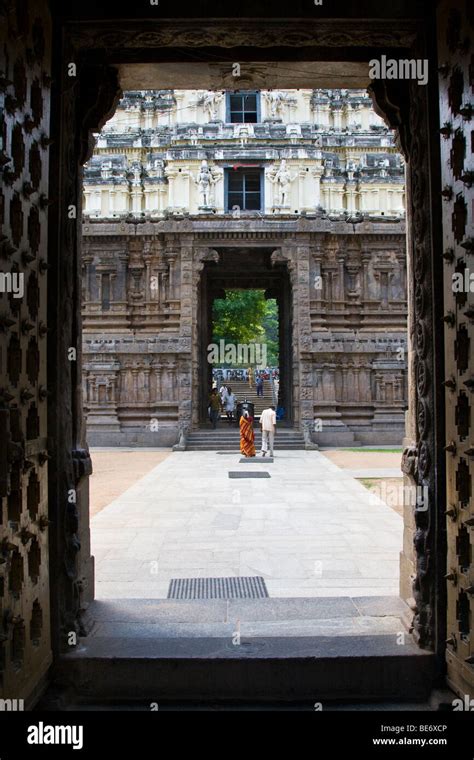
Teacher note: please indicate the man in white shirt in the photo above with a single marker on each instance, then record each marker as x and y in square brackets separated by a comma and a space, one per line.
[276, 385]
[268, 423]
[229, 404]
[223, 393]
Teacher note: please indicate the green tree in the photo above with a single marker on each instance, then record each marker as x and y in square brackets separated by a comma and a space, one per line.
[245, 316]
[272, 333]
[238, 318]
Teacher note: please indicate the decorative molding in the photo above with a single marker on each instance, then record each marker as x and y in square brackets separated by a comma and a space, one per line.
[233, 32]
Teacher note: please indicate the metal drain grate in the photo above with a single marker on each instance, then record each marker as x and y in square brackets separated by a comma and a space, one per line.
[256, 460]
[217, 588]
[249, 475]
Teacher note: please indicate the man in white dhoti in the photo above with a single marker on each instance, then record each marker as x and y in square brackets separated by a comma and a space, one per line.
[268, 424]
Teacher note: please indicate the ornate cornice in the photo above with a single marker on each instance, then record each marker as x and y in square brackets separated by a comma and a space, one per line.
[96, 232]
[234, 33]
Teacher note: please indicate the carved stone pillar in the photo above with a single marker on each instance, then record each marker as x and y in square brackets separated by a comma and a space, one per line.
[199, 353]
[306, 401]
[406, 107]
[158, 370]
[173, 298]
[291, 385]
[317, 288]
[340, 277]
[146, 384]
[84, 105]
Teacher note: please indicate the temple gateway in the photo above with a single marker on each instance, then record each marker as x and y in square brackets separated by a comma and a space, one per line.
[299, 193]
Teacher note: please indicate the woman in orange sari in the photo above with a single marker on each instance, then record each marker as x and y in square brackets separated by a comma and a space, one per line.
[247, 436]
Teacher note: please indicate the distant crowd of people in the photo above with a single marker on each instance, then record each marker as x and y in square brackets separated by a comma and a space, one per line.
[250, 375]
[255, 378]
[222, 401]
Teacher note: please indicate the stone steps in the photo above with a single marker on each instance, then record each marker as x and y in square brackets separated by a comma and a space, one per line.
[244, 392]
[289, 649]
[229, 440]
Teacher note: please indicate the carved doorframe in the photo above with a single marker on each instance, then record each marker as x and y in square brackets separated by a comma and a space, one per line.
[85, 104]
[282, 256]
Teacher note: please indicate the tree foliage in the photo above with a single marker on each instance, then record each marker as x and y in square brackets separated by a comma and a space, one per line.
[271, 329]
[245, 316]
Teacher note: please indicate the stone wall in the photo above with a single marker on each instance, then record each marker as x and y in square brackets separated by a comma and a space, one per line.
[142, 380]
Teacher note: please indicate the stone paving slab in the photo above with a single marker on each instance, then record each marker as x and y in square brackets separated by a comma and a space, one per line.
[380, 605]
[251, 610]
[115, 470]
[309, 530]
[276, 590]
[246, 610]
[148, 649]
[356, 626]
[164, 610]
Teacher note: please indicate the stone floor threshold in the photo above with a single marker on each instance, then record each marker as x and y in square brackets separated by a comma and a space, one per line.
[316, 627]
[248, 650]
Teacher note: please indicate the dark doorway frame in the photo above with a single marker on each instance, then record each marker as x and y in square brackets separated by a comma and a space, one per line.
[85, 103]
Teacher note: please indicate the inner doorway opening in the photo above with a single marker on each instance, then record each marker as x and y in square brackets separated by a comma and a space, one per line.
[245, 360]
[247, 332]
[297, 195]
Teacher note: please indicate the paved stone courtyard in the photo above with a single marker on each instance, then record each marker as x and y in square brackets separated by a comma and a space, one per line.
[310, 530]
[117, 470]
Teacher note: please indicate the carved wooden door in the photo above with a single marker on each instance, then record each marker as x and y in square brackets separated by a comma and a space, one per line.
[25, 649]
[456, 88]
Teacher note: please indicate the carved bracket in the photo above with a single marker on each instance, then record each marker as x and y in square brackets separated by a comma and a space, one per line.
[99, 95]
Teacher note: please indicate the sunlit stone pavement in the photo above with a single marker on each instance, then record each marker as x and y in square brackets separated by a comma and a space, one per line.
[310, 530]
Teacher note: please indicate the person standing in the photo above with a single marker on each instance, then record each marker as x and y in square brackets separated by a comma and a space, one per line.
[230, 402]
[276, 385]
[247, 435]
[214, 408]
[259, 385]
[223, 395]
[268, 424]
[250, 374]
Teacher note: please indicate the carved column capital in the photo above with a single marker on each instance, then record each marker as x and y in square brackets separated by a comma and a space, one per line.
[391, 101]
